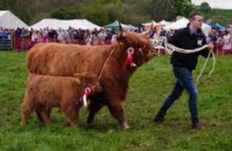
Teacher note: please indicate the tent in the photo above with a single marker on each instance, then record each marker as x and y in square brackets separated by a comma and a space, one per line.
[181, 23]
[10, 21]
[82, 24]
[115, 26]
[50, 23]
[218, 26]
[164, 22]
[65, 24]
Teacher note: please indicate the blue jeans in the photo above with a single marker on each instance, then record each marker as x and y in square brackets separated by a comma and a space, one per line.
[184, 80]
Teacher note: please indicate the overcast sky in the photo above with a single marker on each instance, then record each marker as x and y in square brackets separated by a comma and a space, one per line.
[222, 4]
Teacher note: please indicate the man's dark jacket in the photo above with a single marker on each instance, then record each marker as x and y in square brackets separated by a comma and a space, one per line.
[184, 39]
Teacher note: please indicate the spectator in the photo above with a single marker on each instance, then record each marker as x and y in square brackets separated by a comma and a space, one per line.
[227, 44]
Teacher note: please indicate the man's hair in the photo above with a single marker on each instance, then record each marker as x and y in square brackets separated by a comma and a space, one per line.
[194, 13]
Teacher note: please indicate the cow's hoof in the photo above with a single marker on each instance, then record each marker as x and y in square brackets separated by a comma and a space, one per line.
[90, 125]
[126, 126]
[22, 124]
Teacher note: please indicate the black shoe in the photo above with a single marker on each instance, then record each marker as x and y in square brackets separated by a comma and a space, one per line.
[158, 119]
[197, 126]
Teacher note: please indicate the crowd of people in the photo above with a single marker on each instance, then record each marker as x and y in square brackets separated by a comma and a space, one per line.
[222, 41]
[23, 39]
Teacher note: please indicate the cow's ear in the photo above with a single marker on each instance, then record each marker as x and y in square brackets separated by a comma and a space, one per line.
[91, 76]
[88, 76]
[80, 76]
[78, 80]
[77, 75]
[121, 36]
[97, 87]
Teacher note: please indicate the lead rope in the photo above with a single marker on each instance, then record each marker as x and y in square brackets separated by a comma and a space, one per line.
[171, 48]
[100, 74]
[203, 68]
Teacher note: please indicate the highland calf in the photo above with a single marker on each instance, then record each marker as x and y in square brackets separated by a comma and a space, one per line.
[45, 92]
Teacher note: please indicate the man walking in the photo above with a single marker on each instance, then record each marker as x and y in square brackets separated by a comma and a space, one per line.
[189, 38]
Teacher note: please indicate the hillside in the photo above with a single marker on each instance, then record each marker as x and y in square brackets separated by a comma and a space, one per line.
[223, 16]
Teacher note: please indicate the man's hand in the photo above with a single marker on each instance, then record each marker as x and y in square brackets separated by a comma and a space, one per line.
[210, 46]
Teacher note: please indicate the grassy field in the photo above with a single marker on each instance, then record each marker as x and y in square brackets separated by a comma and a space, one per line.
[148, 88]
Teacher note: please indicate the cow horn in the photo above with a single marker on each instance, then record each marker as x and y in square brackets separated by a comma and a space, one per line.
[120, 27]
[151, 25]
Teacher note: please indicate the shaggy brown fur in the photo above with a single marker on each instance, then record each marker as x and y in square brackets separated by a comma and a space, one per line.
[64, 60]
[45, 92]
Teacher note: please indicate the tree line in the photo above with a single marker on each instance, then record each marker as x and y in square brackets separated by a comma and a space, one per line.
[102, 11]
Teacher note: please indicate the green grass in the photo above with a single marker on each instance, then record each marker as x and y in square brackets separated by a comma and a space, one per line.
[148, 88]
